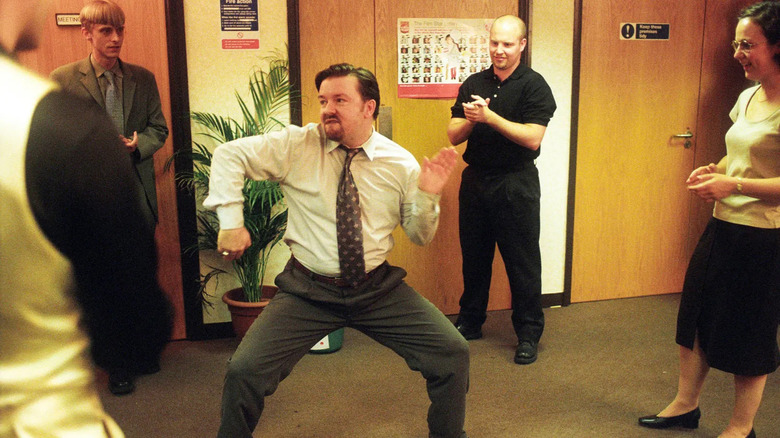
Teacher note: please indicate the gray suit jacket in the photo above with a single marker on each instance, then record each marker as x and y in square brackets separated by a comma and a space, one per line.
[142, 111]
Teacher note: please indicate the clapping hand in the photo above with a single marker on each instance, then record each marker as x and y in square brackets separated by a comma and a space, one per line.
[706, 183]
[477, 110]
[435, 171]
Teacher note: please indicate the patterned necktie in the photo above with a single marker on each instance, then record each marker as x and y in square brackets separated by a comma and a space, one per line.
[114, 103]
[349, 230]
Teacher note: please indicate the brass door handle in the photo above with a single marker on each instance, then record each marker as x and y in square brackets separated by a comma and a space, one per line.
[686, 136]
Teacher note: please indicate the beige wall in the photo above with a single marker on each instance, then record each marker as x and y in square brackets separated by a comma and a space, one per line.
[552, 40]
[214, 76]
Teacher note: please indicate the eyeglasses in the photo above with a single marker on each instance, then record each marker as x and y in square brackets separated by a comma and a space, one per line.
[744, 45]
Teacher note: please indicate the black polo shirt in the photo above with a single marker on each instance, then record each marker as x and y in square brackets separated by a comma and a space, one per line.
[524, 97]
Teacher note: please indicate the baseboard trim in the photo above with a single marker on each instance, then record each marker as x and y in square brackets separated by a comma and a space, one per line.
[552, 300]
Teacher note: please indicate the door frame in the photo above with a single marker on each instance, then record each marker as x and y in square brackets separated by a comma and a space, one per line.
[185, 199]
[575, 108]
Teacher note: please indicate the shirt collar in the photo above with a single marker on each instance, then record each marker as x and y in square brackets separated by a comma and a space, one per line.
[369, 147]
[518, 71]
[99, 70]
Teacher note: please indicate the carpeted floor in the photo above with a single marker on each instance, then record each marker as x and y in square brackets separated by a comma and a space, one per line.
[601, 365]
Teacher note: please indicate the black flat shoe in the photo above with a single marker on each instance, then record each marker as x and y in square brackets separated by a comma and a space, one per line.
[752, 434]
[688, 420]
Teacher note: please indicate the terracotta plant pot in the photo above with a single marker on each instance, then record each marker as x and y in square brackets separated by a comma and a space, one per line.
[243, 313]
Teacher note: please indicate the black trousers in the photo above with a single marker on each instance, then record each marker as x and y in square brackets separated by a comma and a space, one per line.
[501, 207]
[385, 308]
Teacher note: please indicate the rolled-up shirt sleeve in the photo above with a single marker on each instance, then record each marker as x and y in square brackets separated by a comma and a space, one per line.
[420, 215]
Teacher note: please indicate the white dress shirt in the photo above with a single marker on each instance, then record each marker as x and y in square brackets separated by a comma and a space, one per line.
[308, 166]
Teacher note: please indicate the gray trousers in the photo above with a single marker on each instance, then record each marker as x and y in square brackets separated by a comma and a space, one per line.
[384, 308]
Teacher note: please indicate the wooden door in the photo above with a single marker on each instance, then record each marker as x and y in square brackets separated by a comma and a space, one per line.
[145, 44]
[346, 40]
[366, 35]
[633, 217]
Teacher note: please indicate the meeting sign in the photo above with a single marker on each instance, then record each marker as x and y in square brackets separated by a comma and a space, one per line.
[644, 31]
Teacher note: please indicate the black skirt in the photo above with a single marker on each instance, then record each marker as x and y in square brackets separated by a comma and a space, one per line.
[731, 298]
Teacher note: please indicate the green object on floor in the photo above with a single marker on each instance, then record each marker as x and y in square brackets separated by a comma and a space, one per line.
[330, 343]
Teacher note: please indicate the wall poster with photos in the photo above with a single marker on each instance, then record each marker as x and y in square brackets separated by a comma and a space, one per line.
[435, 55]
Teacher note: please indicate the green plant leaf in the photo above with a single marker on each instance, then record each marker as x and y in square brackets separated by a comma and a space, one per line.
[265, 213]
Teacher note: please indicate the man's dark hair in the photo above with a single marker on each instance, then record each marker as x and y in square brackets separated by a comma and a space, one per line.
[767, 16]
[367, 84]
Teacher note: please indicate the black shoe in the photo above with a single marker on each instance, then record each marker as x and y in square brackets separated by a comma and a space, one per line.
[120, 383]
[752, 434]
[469, 331]
[525, 353]
[689, 420]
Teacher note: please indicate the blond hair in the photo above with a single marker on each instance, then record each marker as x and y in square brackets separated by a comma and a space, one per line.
[102, 12]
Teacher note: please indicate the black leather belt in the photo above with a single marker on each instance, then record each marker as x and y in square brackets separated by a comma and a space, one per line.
[334, 281]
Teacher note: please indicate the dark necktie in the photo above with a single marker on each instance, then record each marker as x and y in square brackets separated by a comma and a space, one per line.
[349, 230]
[114, 103]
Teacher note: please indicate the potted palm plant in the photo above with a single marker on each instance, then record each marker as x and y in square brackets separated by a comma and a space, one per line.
[265, 213]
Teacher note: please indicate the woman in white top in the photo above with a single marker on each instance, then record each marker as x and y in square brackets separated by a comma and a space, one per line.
[730, 306]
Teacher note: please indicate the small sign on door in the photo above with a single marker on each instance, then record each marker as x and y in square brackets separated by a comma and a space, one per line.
[644, 31]
[68, 19]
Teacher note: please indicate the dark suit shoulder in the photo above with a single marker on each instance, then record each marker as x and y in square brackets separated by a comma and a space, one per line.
[67, 71]
[74, 79]
[137, 70]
